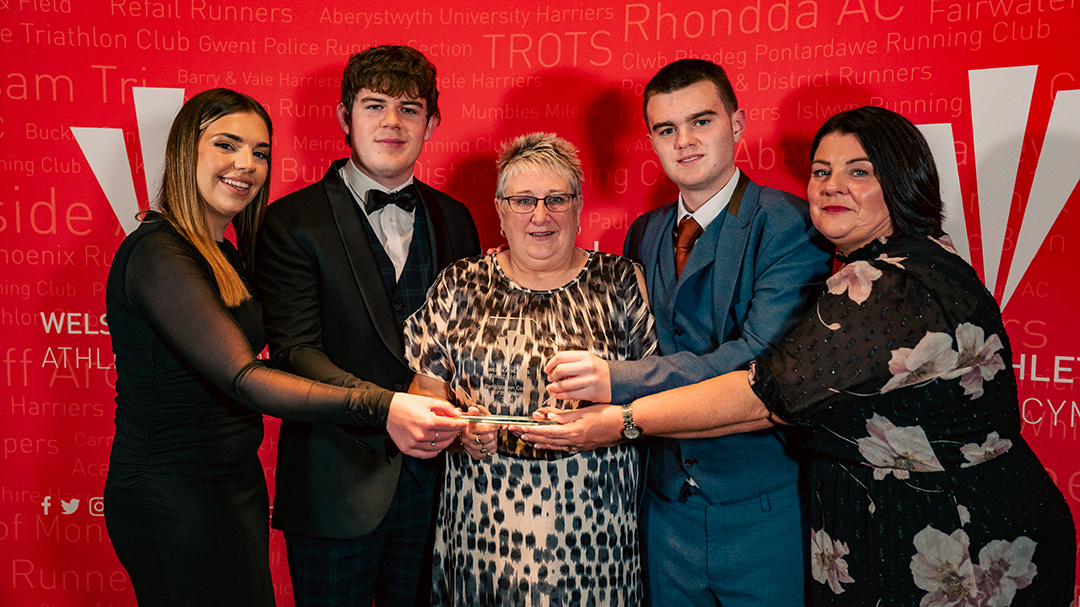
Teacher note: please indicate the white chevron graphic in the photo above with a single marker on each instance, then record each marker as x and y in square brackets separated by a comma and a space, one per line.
[1000, 100]
[155, 109]
[1056, 175]
[1000, 103]
[943, 147]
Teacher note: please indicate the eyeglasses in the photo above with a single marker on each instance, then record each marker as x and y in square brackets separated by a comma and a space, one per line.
[556, 203]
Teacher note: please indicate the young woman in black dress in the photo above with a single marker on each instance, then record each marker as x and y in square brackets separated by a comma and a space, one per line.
[185, 500]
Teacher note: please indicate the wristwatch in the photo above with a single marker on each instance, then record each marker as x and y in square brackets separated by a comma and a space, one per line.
[630, 430]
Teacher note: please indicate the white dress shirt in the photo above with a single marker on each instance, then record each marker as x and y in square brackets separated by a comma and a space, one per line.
[393, 225]
[712, 207]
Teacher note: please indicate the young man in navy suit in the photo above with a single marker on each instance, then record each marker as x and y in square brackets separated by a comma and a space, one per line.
[340, 265]
[729, 266]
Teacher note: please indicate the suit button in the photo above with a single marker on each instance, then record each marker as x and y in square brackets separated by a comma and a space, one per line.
[689, 461]
[678, 332]
[399, 307]
[686, 491]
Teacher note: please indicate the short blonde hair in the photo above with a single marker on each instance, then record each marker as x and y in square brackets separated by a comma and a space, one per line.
[539, 150]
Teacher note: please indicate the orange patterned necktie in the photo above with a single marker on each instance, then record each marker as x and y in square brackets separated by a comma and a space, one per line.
[685, 237]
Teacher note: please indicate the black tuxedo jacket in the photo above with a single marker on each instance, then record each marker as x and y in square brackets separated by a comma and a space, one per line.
[328, 317]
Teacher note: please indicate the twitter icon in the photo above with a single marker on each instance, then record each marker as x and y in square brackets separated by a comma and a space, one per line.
[69, 507]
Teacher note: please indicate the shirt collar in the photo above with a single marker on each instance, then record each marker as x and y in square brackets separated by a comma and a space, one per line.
[713, 206]
[360, 183]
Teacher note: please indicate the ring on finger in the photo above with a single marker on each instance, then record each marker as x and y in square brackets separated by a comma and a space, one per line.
[436, 439]
[478, 441]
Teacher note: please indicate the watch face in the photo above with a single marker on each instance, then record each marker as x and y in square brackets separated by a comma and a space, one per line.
[631, 432]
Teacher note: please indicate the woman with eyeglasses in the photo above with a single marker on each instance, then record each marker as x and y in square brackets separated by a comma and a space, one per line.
[518, 526]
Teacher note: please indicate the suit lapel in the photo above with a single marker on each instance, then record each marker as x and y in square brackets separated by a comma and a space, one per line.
[651, 242]
[730, 247]
[365, 270]
[442, 251]
[731, 236]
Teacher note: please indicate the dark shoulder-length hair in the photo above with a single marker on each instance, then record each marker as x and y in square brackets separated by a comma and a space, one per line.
[902, 163]
[182, 204]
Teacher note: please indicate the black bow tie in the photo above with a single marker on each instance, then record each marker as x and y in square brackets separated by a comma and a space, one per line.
[405, 198]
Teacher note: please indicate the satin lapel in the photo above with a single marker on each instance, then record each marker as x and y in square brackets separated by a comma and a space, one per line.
[438, 230]
[365, 269]
[731, 245]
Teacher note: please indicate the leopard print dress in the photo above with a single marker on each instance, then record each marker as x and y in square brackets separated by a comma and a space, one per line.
[529, 527]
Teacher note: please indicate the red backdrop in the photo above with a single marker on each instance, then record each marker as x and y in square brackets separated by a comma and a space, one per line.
[503, 71]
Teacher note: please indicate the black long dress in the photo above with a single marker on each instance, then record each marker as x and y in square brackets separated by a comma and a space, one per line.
[185, 499]
[922, 491]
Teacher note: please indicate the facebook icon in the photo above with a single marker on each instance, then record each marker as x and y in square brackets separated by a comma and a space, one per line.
[46, 503]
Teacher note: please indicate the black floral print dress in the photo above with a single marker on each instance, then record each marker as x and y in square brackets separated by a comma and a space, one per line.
[528, 527]
[922, 490]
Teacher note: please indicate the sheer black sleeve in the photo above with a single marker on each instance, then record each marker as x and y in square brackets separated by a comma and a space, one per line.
[168, 284]
[908, 313]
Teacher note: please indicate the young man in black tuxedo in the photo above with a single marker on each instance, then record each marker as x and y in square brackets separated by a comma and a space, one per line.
[340, 265]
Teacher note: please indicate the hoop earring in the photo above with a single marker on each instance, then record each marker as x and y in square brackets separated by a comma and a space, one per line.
[501, 232]
[579, 229]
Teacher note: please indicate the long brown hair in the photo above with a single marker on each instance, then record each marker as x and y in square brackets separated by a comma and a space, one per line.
[183, 205]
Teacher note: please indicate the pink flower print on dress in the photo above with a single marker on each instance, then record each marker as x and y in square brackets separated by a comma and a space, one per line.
[946, 243]
[977, 454]
[931, 358]
[965, 515]
[827, 563]
[892, 260]
[978, 359]
[856, 278]
[897, 451]
[1004, 567]
[943, 567]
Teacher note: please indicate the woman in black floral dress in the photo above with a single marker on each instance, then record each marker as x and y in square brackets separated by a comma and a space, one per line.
[922, 489]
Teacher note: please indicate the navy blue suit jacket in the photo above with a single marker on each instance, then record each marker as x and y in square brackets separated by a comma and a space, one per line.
[754, 274]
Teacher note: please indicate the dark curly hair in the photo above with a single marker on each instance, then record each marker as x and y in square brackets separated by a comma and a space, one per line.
[391, 70]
